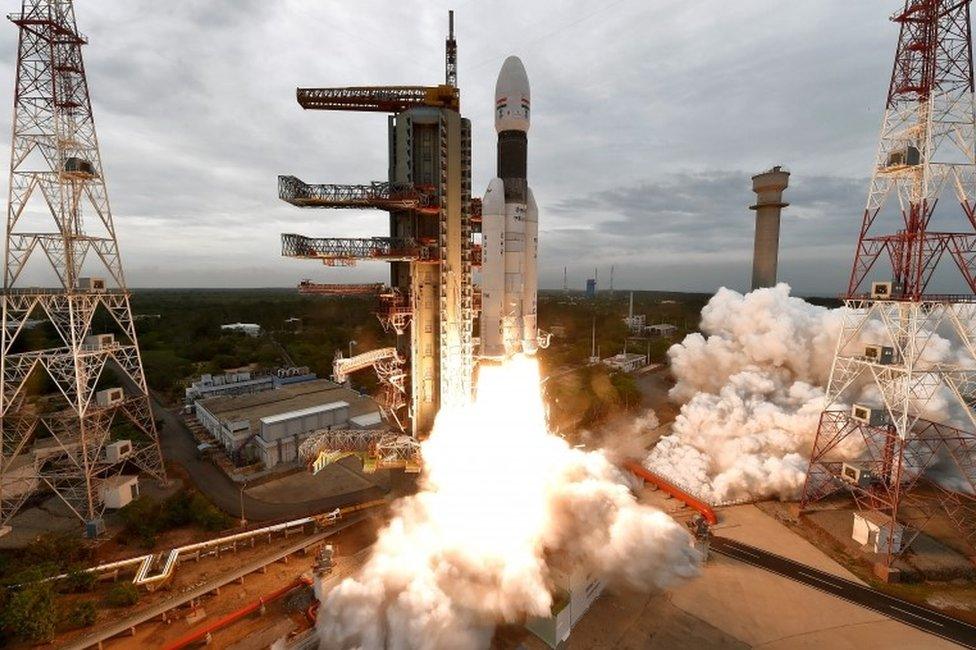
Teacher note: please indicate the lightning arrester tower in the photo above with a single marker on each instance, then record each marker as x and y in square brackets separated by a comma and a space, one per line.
[878, 449]
[75, 440]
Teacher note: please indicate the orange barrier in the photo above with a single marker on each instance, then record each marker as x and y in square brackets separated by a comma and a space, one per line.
[690, 500]
[200, 634]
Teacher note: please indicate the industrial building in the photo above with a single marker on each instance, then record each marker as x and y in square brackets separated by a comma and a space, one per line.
[769, 205]
[661, 329]
[575, 591]
[269, 426]
[251, 329]
[626, 361]
[429, 303]
[242, 382]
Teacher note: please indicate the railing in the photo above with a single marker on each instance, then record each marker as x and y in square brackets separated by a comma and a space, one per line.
[384, 99]
[170, 561]
[343, 367]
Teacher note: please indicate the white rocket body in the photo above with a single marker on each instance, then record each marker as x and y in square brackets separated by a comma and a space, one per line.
[510, 228]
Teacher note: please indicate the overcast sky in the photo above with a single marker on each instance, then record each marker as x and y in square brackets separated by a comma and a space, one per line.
[649, 117]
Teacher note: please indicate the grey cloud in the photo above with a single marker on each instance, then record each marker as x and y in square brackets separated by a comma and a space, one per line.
[640, 111]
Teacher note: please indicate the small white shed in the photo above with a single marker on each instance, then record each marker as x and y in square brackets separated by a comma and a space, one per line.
[874, 530]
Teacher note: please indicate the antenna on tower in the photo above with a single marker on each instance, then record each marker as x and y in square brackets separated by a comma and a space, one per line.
[565, 281]
[450, 53]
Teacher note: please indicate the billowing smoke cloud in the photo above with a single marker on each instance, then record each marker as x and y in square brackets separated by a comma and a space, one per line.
[753, 390]
[502, 504]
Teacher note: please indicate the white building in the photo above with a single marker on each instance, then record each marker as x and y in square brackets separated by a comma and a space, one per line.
[635, 322]
[661, 329]
[251, 329]
[119, 491]
[626, 361]
[873, 530]
[269, 426]
[240, 383]
[574, 594]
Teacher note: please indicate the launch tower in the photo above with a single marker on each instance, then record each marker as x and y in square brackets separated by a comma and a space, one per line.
[430, 301]
[897, 405]
[71, 441]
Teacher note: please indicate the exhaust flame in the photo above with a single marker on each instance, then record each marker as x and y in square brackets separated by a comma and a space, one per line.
[502, 503]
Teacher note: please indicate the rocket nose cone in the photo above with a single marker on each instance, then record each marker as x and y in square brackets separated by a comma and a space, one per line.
[512, 97]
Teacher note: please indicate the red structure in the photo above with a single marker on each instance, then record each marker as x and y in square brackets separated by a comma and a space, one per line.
[929, 97]
[693, 502]
[897, 404]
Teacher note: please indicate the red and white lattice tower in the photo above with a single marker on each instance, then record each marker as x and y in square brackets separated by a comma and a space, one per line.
[899, 406]
[64, 420]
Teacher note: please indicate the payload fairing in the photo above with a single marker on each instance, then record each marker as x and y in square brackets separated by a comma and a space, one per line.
[510, 228]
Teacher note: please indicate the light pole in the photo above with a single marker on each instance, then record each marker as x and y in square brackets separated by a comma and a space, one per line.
[243, 520]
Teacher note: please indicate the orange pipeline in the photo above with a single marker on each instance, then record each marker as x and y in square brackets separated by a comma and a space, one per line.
[201, 633]
[690, 500]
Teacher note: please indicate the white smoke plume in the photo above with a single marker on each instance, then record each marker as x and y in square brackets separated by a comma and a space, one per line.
[753, 389]
[502, 503]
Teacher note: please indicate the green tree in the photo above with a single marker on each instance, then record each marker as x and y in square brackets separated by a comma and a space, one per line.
[124, 594]
[83, 614]
[78, 580]
[32, 612]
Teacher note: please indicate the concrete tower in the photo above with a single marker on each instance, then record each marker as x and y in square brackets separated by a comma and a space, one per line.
[768, 187]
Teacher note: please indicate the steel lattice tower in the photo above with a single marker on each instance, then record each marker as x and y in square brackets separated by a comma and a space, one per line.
[921, 411]
[63, 441]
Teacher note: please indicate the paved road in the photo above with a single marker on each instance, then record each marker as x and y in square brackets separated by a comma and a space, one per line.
[179, 446]
[110, 630]
[923, 618]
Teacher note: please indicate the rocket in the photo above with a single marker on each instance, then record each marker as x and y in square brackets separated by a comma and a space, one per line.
[510, 228]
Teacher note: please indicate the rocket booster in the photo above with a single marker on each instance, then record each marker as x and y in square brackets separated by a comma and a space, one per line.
[510, 228]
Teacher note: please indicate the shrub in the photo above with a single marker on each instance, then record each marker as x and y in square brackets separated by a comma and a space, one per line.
[141, 518]
[123, 594]
[83, 614]
[32, 612]
[78, 580]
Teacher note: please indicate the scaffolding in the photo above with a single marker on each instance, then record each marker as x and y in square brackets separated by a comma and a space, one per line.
[389, 368]
[377, 195]
[346, 251]
[317, 289]
[376, 449]
[378, 99]
[430, 302]
[64, 441]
